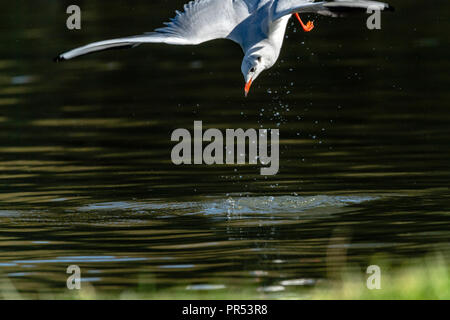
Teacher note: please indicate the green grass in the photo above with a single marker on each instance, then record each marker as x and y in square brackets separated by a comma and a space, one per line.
[430, 280]
[419, 280]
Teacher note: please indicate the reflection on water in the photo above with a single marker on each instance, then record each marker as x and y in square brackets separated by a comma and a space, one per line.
[85, 153]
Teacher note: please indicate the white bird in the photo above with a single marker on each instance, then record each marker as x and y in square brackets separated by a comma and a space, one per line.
[258, 26]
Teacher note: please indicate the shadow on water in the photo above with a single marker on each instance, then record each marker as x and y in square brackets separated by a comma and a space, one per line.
[85, 151]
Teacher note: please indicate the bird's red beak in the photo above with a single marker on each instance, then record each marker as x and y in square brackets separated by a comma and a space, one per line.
[247, 86]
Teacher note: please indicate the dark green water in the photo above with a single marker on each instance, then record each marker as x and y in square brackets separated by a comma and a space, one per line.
[85, 169]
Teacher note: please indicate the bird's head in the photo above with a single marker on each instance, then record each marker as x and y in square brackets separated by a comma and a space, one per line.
[252, 66]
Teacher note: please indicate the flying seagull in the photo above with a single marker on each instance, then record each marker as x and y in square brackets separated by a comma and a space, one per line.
[258, 26]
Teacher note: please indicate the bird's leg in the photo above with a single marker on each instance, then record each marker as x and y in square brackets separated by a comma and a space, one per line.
[308, 27]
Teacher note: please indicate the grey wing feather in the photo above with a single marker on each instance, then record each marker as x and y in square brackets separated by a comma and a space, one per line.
[128, 42]
[201, 21]
[330, 8]
[339, 8]
[204, 20]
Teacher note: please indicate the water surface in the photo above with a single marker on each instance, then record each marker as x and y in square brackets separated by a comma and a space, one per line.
[85, 152]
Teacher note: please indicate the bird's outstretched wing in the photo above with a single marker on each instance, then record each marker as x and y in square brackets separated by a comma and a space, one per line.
[334, 8]
[201, 21]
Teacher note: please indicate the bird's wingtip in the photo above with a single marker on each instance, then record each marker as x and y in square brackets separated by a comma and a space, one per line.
[390, 8]
[59, 58]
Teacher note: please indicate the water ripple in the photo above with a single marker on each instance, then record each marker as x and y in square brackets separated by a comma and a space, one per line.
[236, 205]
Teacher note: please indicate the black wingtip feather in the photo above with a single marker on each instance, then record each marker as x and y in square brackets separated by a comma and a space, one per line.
[59, 59]
[390, 8]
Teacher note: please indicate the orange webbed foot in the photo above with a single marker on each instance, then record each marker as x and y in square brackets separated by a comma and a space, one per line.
[306, 27]
[309, 26]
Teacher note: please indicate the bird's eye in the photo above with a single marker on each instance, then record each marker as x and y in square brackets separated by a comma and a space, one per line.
[259, 59]
[252, 69]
